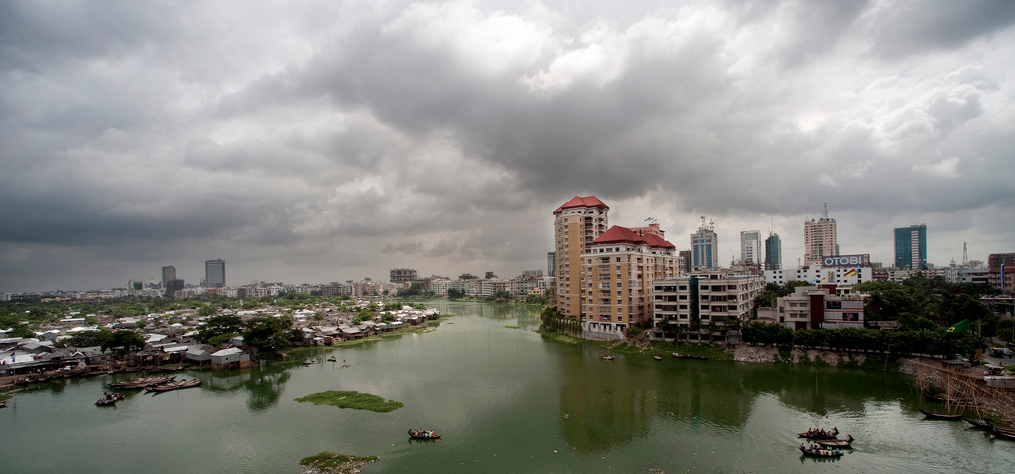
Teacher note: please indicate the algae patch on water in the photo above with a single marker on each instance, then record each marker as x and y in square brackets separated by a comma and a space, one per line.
[335, 463]
[359, 401]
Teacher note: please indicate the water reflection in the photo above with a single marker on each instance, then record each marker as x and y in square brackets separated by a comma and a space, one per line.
[264, 386]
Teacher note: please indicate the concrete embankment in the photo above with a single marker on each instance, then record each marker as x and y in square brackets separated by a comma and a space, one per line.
[746, 353]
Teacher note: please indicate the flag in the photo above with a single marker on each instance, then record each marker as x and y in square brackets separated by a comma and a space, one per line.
[958, 327]
[651, 220]
[851, 272]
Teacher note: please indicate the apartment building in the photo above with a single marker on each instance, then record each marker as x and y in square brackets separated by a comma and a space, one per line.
[704, 298]
[618, 270]
[821, 307]
[577, 223]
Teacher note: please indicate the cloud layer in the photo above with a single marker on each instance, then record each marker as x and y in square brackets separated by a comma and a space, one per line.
[321, 141]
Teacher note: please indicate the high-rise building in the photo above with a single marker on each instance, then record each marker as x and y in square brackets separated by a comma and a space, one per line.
[617, 271]
[705, 246]
[215, 273]
[750, 247]
[577, 223]
[402, 275]
[773, 252]
[911, 247]
[551, 264]
[820, 239]
[168, 273]
[685, 262]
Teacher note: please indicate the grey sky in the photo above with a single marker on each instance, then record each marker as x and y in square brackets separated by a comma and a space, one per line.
[323, 141]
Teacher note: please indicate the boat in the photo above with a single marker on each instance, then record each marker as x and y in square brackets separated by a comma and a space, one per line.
[836, 443]
[689, 356]
[941, 416]
[332, 359]
[934, 397]
[308, 362]
[819, 433]
[657, 357]
[607, 357]
[981, 423]
[424, 434]
[819, 452]
[175, 385]
[1003, 433]
[3, 403]
[141, 382]
[105, 402]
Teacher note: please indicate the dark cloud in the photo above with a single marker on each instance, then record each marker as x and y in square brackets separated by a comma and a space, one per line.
[323, 142]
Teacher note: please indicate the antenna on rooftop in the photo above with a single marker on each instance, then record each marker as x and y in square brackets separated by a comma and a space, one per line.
[824, 214]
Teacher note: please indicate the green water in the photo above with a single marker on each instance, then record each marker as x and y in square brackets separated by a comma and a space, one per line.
[505, 400]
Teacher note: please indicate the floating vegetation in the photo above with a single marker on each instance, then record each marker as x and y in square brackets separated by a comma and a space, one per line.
[512, 327]
[359, 401]
[335, 463]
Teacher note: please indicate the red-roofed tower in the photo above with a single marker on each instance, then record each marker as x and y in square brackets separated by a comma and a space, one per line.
[618, 270]
[576, 224]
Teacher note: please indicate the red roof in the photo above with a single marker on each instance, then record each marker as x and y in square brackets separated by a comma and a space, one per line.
[618, 234]
[587, 201]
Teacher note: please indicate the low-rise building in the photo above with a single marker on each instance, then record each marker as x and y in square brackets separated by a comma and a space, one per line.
[821, 307]
[703, 299]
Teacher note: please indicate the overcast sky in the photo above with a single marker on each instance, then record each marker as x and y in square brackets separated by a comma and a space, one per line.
[325, 141]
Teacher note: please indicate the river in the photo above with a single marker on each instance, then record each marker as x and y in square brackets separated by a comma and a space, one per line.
[505, 400]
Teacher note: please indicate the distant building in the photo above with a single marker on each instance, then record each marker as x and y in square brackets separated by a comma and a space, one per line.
[576, 224]
[168, 273]
[820, 239]
[817, 274]
[967, 274]
[911, 247]
[490, 276]
[1002, 271]
[773, 252]
[750, 247]
[174, 285]
[551, 263]
[532, 274]
[403, 275]
[215, 273]
[705, 247]
[685, 262]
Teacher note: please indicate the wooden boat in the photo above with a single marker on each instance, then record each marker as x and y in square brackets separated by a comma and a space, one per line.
[424, 434]
[981, 423]
[818, 433]
[1003, 433]
[105, 402]
[3, 403]
[818, 452]
[934, 397]
[141, 382]
[175, 385]
[332, 359]
[836, 443]
[308, 362]
[607, 357]
[657, 357]
[941, 416]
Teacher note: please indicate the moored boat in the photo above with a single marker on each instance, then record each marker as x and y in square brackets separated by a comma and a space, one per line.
[1003, 433]
[941, 416]
[818, 452]
[689, 356]
[607, 357]
[657, 357]
[836, 443]
[424, 434]
[332, 359]
[175, 385]
[981, 423]
[819, 433]
[141, 382]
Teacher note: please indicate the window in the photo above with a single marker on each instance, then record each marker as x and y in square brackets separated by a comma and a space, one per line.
[618, 259]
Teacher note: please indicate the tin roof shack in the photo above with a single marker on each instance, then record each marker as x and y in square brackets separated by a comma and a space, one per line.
[200, 353]
[228, 358]
[351, 333]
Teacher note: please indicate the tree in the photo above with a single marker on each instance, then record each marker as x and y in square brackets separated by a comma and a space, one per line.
[219, 325]
[207, 310]
[123, 341]
[270, 335]
[455, 293]
[90, 338]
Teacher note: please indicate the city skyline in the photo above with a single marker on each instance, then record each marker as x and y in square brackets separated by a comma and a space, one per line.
[328, 141]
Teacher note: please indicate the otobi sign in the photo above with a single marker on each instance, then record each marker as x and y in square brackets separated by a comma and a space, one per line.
[858, 260]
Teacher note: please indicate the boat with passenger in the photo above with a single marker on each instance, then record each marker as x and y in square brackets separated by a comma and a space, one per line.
[424, 434]
[820, 433]
[819, 452]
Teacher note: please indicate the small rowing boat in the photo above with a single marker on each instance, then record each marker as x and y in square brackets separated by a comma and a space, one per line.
[941, 416]
[424, 434]
[836, 443]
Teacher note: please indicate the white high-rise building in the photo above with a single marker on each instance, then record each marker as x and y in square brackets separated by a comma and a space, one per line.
[820, 239]
[750, 247]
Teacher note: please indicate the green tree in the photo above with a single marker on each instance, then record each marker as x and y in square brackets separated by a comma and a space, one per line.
[207, 310]
[455, 293]
[219, 325]
[90, 338]
[270, 335]
[123, 341]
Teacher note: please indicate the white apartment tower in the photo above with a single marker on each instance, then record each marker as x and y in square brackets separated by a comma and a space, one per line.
[750, 247]
[820, 239]
[576, 224]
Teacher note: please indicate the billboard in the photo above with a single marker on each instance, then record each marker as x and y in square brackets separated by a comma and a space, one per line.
[858, 260]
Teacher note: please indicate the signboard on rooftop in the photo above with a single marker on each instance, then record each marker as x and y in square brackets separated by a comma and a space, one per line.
[858, 260]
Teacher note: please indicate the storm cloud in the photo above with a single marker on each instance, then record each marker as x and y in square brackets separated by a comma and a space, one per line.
[323, 141]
